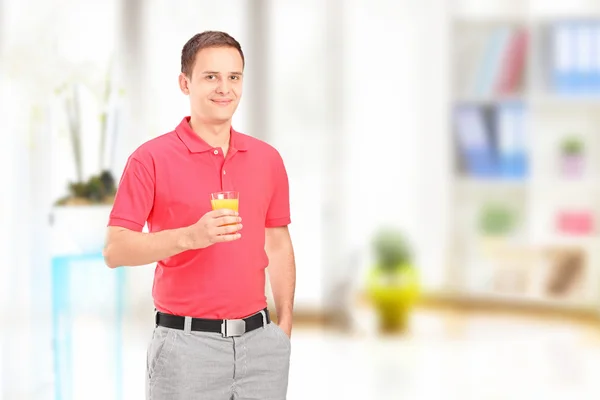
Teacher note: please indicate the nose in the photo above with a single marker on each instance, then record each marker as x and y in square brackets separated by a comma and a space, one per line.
[223, 86]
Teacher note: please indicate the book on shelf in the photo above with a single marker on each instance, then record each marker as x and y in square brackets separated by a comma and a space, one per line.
[499, 65]
[564, 272]
[513, 63]
[492, 141]
[547, 272]
[575, 222]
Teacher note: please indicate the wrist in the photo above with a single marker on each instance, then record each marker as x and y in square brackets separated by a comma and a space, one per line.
[284, 320]
[285, 325]
[184, 239]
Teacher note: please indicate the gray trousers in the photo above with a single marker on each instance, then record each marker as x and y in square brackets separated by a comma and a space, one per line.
[203, 365]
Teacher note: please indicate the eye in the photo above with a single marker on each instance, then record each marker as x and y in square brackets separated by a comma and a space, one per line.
[211, 77]
[234, 77]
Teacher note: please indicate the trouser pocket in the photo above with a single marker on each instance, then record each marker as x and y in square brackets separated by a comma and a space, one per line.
[158, 350]
[283, 337]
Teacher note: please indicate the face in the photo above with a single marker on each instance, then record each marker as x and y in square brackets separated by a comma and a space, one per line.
[215, 86]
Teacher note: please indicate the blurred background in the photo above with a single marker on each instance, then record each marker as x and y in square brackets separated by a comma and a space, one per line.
[444, 162]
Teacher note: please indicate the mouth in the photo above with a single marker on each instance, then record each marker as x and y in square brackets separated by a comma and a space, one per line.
[222, 103]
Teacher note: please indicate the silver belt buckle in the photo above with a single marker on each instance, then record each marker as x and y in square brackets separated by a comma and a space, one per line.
[233, 327]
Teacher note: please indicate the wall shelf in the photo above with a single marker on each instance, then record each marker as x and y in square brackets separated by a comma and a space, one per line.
[514, 103]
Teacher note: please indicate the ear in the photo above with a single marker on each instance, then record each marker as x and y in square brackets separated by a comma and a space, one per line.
[183, 84]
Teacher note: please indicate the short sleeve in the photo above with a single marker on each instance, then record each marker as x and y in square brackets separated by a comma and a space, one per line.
[278, 213]
[135, 197]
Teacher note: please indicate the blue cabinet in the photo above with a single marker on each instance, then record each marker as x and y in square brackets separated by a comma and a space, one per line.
[87, 317]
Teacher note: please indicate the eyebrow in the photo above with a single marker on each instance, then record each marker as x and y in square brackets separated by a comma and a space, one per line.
[217, 73]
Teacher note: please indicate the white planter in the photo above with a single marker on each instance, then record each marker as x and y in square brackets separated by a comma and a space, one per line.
[79, 229]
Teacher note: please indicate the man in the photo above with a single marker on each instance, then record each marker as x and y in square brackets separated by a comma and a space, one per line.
[213, 337]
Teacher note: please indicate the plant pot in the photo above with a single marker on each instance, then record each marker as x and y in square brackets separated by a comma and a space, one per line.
[79, 229]
[572, 165]
[393, 294]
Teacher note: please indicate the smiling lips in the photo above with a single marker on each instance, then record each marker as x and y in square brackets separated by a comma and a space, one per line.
[222, 102]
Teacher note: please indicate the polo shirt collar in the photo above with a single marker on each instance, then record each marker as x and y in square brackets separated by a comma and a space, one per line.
[196, 144]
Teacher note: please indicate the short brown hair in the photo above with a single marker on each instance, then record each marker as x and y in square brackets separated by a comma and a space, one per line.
[205, 40]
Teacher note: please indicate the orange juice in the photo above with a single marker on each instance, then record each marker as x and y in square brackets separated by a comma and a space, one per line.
[231, 204]
[227, 200]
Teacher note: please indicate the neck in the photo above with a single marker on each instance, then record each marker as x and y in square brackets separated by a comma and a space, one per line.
[216, 135]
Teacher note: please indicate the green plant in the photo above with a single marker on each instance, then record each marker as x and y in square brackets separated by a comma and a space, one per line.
[572, 146]
[391, 249]
[496, 219]
[393, 282]
[99, 189]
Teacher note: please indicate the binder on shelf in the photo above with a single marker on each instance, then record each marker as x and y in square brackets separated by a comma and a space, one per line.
[563, 68]
[474, 141]
[493, 141]
[583, 58]
[512, 140]
[575, 48]
[595, 78]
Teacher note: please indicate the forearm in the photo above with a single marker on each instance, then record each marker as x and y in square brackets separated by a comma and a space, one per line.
[129, 248]
[282, 276]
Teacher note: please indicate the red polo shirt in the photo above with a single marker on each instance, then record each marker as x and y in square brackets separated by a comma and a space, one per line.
[167, 183]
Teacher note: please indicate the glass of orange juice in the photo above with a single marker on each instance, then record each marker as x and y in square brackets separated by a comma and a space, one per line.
[228, 200]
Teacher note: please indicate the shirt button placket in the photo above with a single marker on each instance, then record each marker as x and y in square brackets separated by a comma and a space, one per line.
[224, 182]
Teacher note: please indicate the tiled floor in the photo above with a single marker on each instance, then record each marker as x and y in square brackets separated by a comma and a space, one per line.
[445, 357]
[449, 357]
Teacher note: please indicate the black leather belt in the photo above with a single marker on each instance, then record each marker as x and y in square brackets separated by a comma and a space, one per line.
[226, 327]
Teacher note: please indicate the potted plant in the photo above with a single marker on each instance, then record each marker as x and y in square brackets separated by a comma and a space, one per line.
[496, 220]
[79, 218]
[393, 283]
[496, 225]
[98, 190]
[572, 157]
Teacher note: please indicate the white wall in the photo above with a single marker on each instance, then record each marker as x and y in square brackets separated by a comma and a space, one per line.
[167, 29]
[15, 246]
[434, 144]
[382, 116]
[15, 289]
[299, 120]
[397, 135]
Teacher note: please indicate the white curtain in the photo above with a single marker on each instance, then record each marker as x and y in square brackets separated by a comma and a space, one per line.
[39, 41]
[16, 225]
